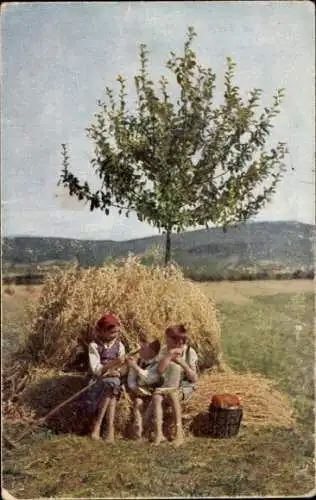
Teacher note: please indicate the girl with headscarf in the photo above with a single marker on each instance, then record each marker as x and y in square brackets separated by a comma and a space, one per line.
[106, 358]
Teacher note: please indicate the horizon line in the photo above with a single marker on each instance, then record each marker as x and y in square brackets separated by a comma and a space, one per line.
[284, 221]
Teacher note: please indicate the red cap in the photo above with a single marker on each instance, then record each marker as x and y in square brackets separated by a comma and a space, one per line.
[108, 321]
[178, 331]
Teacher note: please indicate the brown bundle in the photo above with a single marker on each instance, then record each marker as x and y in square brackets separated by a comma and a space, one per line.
[145, 299]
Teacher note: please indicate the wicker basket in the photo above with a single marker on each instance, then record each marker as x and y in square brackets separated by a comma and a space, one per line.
[225, 415]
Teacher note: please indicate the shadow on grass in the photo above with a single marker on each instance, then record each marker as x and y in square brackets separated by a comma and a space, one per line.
[46, 394]
[200, 425]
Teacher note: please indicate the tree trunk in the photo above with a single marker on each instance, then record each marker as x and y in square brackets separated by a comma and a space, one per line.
[168, 247]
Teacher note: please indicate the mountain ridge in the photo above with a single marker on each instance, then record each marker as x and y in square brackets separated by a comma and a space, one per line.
[289, 243]
[255, 223]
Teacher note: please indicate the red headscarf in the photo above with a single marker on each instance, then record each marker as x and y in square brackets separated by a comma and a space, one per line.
[108, 321]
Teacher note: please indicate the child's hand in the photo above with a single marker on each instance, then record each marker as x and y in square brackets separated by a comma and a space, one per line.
[175, 353]
[179, 361]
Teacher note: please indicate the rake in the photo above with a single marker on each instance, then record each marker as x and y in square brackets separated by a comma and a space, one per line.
[40, 421]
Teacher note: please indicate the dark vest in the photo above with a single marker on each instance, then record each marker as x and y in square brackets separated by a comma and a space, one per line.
[108, 353]
[142, 363]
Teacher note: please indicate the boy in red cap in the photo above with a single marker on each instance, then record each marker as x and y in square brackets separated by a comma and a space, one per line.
[106, 357]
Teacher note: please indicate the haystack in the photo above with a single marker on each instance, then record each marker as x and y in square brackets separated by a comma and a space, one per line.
[263, 405]
[145, 299]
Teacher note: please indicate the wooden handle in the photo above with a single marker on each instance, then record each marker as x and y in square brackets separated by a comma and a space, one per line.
[133, 353]
[54, 410]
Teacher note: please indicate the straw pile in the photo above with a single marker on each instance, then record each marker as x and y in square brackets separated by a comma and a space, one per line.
[145, 299]
[263, 405]
[49, 388]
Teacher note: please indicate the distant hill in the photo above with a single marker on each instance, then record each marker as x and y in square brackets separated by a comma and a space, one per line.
[286, 243]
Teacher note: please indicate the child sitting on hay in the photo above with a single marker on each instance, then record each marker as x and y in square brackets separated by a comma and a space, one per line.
[142, 380]
[178, 365]
[106, 357]
[178, 352]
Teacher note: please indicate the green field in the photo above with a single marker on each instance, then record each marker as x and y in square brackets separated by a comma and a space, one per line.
[267, 328]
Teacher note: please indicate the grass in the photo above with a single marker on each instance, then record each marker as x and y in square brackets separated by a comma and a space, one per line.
[273, 335]
[15, 299]
[270, 332]
[263, 463]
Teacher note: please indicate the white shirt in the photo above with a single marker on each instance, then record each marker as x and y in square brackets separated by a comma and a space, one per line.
[146, 376]
[94, 356]
[191, 357]
[172, 375]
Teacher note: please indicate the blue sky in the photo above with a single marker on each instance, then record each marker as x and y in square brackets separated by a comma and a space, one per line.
[57, 59]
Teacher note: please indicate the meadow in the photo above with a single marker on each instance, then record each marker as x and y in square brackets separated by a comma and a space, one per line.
[267, 327]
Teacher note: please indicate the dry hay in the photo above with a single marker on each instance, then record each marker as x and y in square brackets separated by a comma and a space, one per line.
[49, 388]
[146, 299]
[262, 404]
[68, 305]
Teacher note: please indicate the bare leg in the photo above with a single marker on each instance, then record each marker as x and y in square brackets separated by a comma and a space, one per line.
[176, 406]
[110, 421]
[148, 414]
[138, 418]
[95, 434]
[157, 406]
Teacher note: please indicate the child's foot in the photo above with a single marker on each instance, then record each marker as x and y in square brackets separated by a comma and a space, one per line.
[95, 435]
[109, 438]
[178, 441]
[138, 433]
[159, 439]
[179, 437]
[138, 437]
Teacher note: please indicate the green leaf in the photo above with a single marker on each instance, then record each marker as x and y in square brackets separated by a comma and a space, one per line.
[183, 163]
